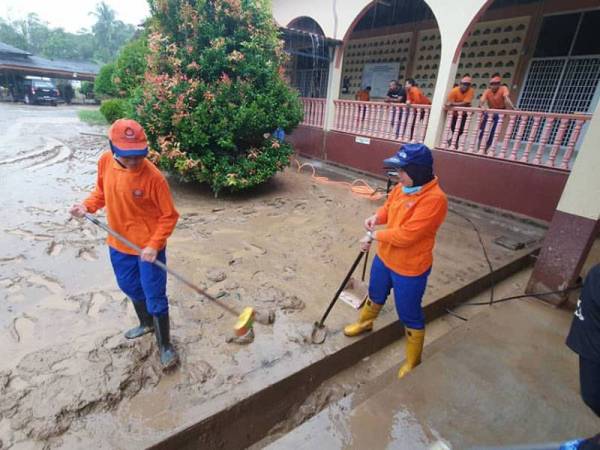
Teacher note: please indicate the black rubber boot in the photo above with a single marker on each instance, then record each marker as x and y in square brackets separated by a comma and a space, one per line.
[168, 356]
[146, 325]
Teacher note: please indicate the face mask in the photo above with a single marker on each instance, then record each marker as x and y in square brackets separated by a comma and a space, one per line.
[411, 190]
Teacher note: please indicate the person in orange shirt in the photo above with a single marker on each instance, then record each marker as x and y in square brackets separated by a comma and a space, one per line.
[414, 94]
[364, 95]
[412, 214]
[461, 96]
[139, 207]
[494, 97]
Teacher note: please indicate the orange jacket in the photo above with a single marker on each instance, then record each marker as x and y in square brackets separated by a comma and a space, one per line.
[457, 96]
[416, 96]
[496, 100]
[138, 203]
[406, 243]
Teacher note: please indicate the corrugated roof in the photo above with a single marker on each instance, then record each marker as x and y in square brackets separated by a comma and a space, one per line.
[5, 48]
[36, 62]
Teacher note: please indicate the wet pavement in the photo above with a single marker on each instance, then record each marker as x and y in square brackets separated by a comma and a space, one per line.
[503, 378]
[284, 247]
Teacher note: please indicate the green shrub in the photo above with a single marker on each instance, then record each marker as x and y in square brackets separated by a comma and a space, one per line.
[103, 85]
[114, 109]
[130, 66]
[214, 91]
[87, 89]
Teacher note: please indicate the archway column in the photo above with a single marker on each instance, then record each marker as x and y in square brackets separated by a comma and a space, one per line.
[334, 83]
[454, 24]
[574, 226]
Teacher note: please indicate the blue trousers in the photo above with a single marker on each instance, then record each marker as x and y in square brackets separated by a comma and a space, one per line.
[484, 120]
[408, 292]
[142, 281]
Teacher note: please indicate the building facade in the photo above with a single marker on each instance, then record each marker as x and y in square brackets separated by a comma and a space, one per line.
[530, 161]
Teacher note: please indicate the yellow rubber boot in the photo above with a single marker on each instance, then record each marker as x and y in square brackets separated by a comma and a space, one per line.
[367, 315]
[414, 349]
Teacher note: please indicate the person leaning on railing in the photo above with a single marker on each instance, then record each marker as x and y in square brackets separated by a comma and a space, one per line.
[462, 96]
[363, 95]
[396, 94]
[497, 96]
[415, 96]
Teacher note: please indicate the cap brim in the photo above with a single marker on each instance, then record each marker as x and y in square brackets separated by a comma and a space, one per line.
[125, 152]
[393, 162]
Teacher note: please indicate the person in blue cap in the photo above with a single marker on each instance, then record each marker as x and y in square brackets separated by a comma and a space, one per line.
[412, 215]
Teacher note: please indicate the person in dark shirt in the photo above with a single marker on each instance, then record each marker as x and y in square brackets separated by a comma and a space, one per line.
[584, 339]
[396, 94]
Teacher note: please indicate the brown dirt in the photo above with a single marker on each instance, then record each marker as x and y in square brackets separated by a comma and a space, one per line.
[69, 379]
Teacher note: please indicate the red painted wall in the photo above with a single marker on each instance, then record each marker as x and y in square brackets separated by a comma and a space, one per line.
[308, 141]
[520, 188]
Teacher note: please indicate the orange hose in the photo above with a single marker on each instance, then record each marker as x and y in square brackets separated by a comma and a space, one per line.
[359, 187]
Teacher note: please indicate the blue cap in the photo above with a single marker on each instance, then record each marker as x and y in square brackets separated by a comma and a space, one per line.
[417, 154]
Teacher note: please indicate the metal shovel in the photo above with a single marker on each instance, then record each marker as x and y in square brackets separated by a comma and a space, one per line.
[319, 331]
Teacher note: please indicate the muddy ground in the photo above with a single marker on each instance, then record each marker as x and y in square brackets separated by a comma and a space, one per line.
[69, 379]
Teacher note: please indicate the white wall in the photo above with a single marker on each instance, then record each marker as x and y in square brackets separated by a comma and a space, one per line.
[582, 191]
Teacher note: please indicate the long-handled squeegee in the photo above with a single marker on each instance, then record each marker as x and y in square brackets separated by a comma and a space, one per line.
[245, 319]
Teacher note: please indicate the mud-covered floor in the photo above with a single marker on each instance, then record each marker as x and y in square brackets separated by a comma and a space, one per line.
[68, 378]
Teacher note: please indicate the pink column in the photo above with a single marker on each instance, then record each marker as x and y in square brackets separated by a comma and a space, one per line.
[336, 115]
[474, 131]
[423, 127]
[446, 133]
[486, 133]
[463, 138]
[384, 121]
[454, 137]
[403, 110]
[518, 137]
[532, 133]
[409, 111]
[507, 136]
[348, 112]
[367, 128]
[492, 149]
[543, 140]
[562, 128]
[571, 146]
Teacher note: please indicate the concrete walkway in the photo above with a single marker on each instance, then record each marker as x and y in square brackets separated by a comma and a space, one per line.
[504, 378]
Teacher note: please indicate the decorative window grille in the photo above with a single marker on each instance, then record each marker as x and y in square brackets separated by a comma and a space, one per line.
[562, 84]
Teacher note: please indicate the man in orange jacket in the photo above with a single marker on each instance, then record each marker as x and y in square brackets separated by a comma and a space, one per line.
[413, 213]
[140, 208]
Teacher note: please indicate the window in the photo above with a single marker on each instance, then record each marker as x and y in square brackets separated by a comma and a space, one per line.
[564, 73]
[556, 35]
[588, 40]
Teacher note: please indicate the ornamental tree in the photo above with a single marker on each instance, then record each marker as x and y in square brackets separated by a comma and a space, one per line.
[214, 92]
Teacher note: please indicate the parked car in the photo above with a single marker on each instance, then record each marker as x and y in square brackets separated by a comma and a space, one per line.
[40, 91]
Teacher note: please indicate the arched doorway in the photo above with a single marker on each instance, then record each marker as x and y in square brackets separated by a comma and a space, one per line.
[309, 56]
[392, 39]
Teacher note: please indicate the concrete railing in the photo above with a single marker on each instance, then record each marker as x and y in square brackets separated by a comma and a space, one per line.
[314, 112]
[392, 121]
[536, 138]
